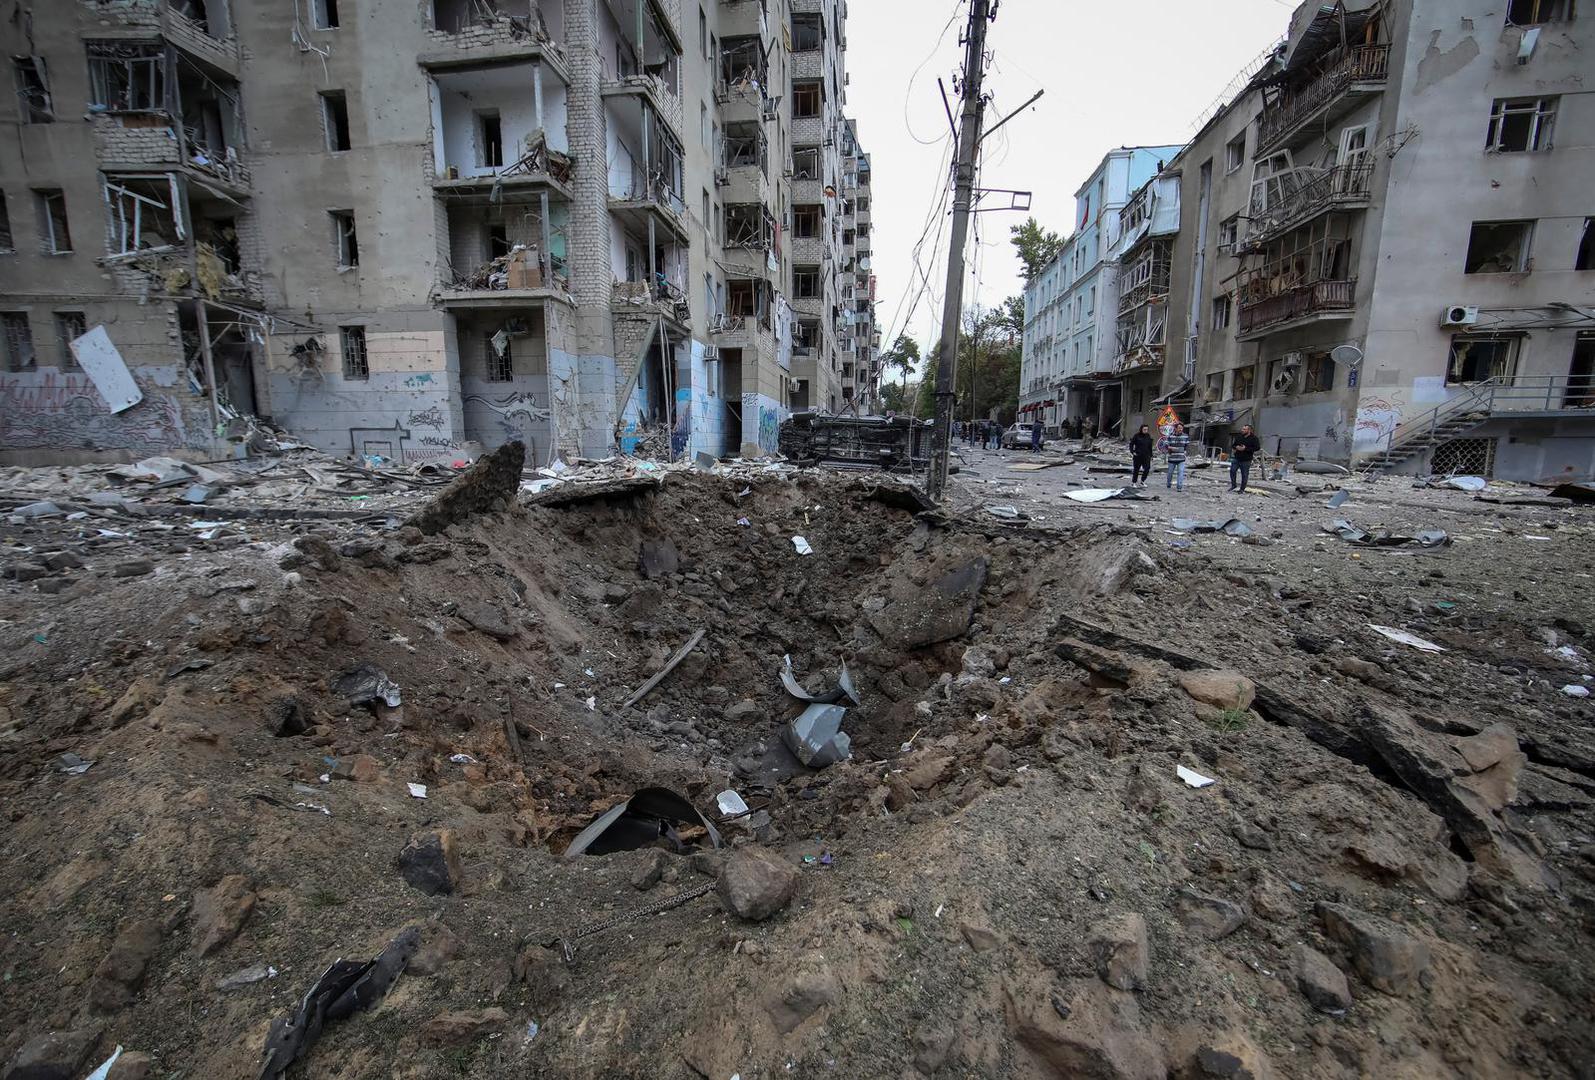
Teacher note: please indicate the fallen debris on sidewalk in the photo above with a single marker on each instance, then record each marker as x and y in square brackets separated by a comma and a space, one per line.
[1429, 538]
[649, 816]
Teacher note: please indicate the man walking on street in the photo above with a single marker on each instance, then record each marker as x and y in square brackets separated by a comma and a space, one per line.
[1140, 456]
[1175, 445]
[1241, 450]
[1035, 435]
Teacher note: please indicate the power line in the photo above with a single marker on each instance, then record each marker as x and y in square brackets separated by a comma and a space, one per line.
[908, 94]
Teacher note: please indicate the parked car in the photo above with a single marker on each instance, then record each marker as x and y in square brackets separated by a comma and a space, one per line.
[1018, 437]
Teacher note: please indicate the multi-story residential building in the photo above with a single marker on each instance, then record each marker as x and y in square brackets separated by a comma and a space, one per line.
[404, 233]
[1074, 366]
[1144, 256]
[1407, 281]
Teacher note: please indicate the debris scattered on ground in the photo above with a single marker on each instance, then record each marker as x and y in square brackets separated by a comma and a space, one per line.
[649, 816]
[1429, 538]
[1405, 637]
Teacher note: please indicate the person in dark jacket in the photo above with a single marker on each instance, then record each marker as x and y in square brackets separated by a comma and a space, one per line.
[1035, 435]
[1242, 449]
[1141, 455]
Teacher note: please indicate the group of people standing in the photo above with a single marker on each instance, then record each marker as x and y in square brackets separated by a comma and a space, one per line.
[1175, 445]
[986, 434]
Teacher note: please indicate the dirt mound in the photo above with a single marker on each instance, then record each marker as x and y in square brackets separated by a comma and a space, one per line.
[1015, 874]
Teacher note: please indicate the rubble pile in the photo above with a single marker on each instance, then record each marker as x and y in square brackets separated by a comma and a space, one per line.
[591, 771]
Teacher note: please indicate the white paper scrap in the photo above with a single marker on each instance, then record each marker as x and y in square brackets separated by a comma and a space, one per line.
[802, 546]
[417, 791]
[1406, 638]
[1193, 778]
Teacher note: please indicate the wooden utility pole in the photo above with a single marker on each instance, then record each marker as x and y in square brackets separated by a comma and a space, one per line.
[963, 204]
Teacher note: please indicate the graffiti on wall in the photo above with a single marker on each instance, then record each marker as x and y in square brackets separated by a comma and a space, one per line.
[47, 410]
[515, 412]
[416, 382]
[763, 420]
[1378, 414]
[682, 434]
[430, 417]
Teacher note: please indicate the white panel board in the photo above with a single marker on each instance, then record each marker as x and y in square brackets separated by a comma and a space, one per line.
[100, 361]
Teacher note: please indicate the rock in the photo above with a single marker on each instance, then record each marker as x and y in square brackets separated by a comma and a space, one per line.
[27, 571]
[1493, 745]
[121, 973]
[927, 768]
[362, 769]
[1273, 899]
[1210, 916]
[438, 946]
[998, 763]
[1497, 765]
[455, 1028]
[1387, 957]
[220, 911]
[741, 712]
[978, 663]
[811, 988]
[652, 868]
[133, 568]
[1118, 949]
[932, 1043]
[1320, 981]
[288, 716]
[58, 1055]
[63, 560]
[488, 619]
[494, 480]
[1217, 1055]
[755, 884]
[657, 558]
[1099, 1039]
[430, 863]
[1220, 689]
[249, 976]
[132, 1065]
[313, 548]
[1361, 670]
[980, 938]
[940, 611]
[135, 702]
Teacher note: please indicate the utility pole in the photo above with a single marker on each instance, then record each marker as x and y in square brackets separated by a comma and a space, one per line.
[963, 204]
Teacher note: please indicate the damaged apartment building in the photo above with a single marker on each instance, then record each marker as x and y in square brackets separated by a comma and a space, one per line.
[1385, 246]
[403, 232]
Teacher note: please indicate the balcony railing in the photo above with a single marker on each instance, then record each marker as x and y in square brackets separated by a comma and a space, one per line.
[1297, 302]
[1297, 196]
[1339, 72]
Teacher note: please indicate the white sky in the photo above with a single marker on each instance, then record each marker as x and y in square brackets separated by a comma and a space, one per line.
[1121, 73]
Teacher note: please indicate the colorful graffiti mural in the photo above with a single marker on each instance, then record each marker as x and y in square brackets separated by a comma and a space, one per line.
[52, 410]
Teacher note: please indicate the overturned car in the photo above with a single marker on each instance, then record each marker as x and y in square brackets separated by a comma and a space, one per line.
[894, 444]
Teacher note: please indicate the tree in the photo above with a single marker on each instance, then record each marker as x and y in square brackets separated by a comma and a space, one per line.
[1011, 318]
[904, 355]
[899, 397]
[1036, 246]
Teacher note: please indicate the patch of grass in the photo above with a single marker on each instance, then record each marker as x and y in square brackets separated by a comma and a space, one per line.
[1231, 720]
[460, 1060]
[324, 898]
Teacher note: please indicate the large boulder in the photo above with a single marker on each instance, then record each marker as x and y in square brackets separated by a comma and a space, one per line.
[940, 611]
[1220, 689]
[754, 884]
[490, 484]
[55, 1055]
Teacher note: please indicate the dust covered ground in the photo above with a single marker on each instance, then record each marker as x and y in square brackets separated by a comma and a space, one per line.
[1392, 875]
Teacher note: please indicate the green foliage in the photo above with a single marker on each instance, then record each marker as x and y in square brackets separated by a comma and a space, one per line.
[1036, 246]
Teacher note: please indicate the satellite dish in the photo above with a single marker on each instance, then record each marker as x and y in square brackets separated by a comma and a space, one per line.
[1349, 355]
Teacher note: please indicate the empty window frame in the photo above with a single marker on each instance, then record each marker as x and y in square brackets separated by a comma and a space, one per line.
[1235, 153]
[1534, 12]
[1319, 376]
[324, 14]
[489, 138]
[69, 326]
[806, 221]
[1222, 308]
[1477, 357]
[808, 100]
[1229, 232]
[356, 362]
[1499, 247]
[806, 163]
[127, 76]
[55, 238]
[1521, 124]
[805, 335]
[346, 243]
[808, 32]
[500, 365]
[141, 213]
[1244, 383]
[33, 91]
[1584, 260]
[335, 119]
[18, 340]
[7, 244]
[806, 283]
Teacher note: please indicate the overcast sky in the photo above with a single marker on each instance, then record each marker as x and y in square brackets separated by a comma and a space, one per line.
[1123, 73]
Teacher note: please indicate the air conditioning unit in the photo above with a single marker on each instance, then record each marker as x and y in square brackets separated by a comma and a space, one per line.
[1459, 315]
[1283, 382]
[711, 353]
[1291, 361]
[717, 324]
[722, 177]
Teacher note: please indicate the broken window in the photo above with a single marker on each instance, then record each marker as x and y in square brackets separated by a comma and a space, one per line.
[1518, 124]
[863, 204]
[7, 245]
[324, 13]
[1221, 312]
[1534, 12]
[335, 118]
[744, 145]
[18, 340]
[127, 76]
[1229, 232]
[33, 92]
[806, 283]
[805, 336]
[808, 32]
[1235, 153]
[355, 362]
[1475, 358]
[141, 213]
[806, 221]
[1319, 376]
[344, 239]
[1245, 383]
[743, 63]
[806, 163]
[1584, 260]
[69, 326]
[489, 139]
[807, 100]
[1581, 373]
[748, 225]
[500, 367]
[54, 236]
[1498, 247]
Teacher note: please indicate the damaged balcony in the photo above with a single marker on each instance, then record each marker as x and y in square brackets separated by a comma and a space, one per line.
[1293, 197]
[645, 170]
[1302, 277]
[500, 129]
[742, 83]
[1321, 91]
[465, 31]
[164, 235]
[151, 104]
[750, 238]
[650, 276]
[501, 254]
[645, 60]
[744, 173]
[202, 28]
[748, 321]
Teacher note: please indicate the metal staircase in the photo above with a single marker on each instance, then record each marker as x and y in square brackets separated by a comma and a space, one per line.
[1474, 404]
